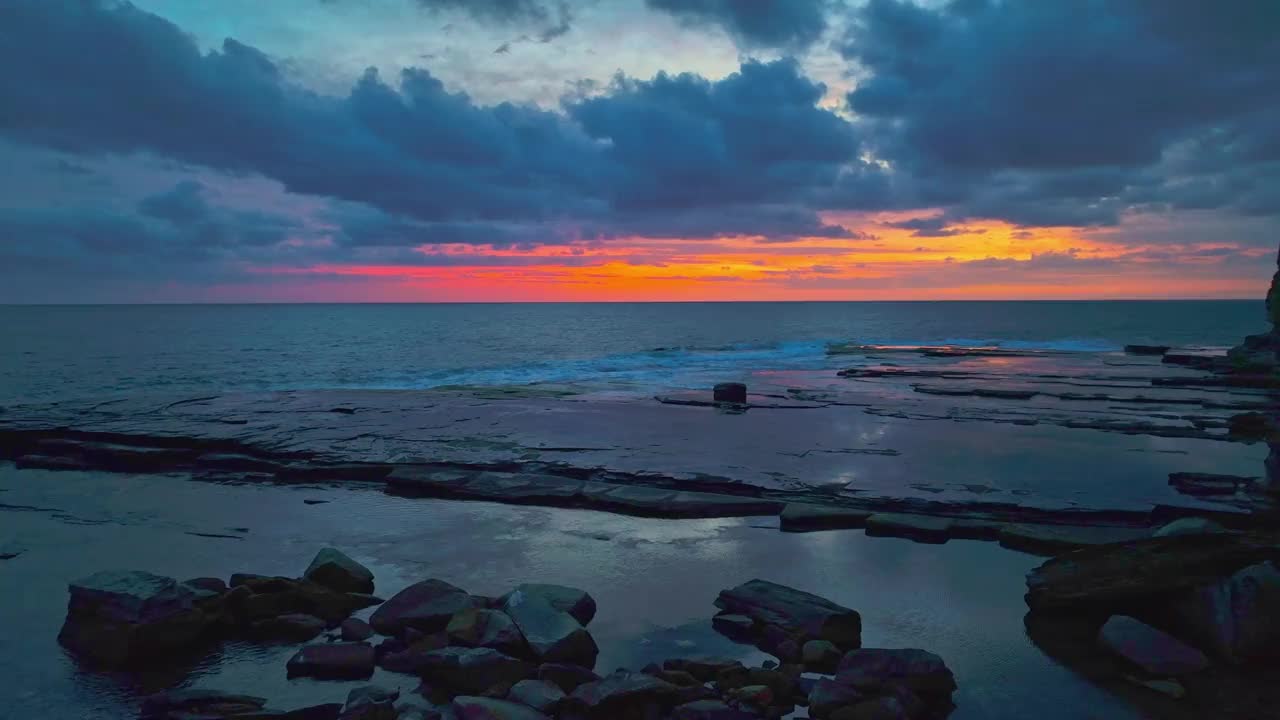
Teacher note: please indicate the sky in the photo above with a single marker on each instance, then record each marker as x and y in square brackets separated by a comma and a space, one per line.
[634, 150]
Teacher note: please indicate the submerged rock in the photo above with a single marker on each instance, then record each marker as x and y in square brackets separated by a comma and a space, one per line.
[1155, 651]
[921, 528]
[198, 703]
[427, 606]
[800, 615]
[1058, 539]
[121, 617]
[334, 570]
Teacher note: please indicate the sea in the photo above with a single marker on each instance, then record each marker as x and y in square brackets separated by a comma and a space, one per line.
[73, 352]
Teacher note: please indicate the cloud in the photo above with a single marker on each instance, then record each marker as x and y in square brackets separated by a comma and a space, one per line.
[784, 24]
[1075, 109]
[937, 226]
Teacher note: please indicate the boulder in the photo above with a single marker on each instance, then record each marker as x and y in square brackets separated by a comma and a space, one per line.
[294, 627]
[333, 661]
[1236, 618]
[624, 694]
[922, 672]
[466, 707]
[553, 635]
[1156, 652]
[795, 612]
[820, 656]
[486, 628]
[565, 676]
[729, 392]
[427, 606]
[474, 670]
[537, 694]
[334, 570]
[123, 617]
[576, 602]
[217, 586]
[355, 630]
[1127, 578]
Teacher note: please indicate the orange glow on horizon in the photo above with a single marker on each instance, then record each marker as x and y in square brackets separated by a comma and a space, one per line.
[979, 260]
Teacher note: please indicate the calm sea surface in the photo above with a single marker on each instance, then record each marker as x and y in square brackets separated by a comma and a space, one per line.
[69, 352]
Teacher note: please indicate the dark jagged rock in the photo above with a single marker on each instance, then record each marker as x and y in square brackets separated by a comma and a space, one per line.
[1155, 651]
[334, 570]
[1125, 578]
[198, 702]
[474, 670]
[794, 613]
[427, 606]
[256, 597]
[333, 661]
[730, 392]
[396, 655]
[122, 617]
[577, 603]
[553, 635]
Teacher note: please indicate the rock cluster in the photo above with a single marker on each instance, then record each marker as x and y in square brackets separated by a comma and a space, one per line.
[1186, 613]
[124, 618]
[523, 656]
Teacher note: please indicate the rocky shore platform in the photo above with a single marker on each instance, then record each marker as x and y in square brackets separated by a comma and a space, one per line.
[1040, 451]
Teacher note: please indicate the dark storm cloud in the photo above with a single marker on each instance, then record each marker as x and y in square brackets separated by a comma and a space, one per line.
[679, 144]
[1079, 108]
[933, 227]
[784, 24]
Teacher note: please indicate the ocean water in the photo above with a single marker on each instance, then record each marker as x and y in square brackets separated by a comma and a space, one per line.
[76, 352]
